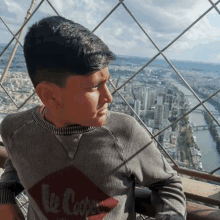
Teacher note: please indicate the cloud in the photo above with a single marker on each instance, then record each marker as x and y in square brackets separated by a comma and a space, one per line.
[202, 34]
[170, 4]
[165, 20]
[162, 20]
[85, 12]
[14, 8]
[217, 57]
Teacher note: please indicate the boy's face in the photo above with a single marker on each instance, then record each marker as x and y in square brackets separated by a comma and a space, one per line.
[85, 99]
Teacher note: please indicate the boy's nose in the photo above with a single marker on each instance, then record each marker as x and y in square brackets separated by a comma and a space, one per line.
[108, 96]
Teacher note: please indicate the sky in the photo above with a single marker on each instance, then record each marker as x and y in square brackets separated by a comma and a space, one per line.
[162, 20]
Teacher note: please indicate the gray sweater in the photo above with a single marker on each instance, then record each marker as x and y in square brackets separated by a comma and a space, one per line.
[80, 172]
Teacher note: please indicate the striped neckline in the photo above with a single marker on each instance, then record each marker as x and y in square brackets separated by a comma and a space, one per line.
[38, 115]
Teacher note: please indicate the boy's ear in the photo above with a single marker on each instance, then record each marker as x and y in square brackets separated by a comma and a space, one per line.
[49, 94]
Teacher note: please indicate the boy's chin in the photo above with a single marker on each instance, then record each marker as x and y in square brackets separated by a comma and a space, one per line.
[99, 121]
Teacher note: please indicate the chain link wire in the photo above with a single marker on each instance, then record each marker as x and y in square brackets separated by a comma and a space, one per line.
[10, 31]
[22, 198]
[21, 28]
[214, 6]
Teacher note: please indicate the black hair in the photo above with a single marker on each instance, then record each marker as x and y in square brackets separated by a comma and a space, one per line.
[56, 48]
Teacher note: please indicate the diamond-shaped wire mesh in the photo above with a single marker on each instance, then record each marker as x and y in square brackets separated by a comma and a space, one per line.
[18, 94]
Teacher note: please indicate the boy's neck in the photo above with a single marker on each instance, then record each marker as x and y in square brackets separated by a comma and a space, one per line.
[42, 112]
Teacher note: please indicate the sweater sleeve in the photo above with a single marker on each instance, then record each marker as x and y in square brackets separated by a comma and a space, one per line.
[10, 185]
[151, 169]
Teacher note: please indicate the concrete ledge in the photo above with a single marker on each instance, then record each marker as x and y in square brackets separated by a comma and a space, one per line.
[201, 191]
[194, 211]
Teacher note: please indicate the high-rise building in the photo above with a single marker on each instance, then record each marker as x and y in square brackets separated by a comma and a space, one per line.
[169, 99]
[151, 98]
[149, 114]
[162, 96]
[150, 123]
[140, 93]
[166, 110]
[145, 98]
[160, 100]
[137, 107]
[165, 123]
[158, 114]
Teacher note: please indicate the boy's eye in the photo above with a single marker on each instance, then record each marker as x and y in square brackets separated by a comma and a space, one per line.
[97, 86]
[100, 84]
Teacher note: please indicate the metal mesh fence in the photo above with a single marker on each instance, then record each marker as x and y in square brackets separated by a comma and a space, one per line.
[22, 198]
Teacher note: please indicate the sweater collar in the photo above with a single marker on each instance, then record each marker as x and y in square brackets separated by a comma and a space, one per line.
[38, 113]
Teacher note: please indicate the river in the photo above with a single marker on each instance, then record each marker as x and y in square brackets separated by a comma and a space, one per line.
[210, 156]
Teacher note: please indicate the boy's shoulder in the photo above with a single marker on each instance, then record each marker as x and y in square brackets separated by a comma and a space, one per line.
[125, 126]
[119, 116]
[13, 121]
[120, 122]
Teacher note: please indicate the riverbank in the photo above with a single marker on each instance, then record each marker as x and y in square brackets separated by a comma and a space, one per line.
[213, 130]
[210, 157]
[190, 153]
[211, 101]
[203, 96]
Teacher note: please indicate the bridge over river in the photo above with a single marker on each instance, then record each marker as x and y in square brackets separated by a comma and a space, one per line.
[202, 127]
[215, 113]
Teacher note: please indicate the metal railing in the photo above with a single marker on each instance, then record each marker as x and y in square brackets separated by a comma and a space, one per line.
[22, 199]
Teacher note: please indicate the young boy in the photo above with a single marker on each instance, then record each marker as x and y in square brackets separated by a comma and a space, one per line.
[75, 159]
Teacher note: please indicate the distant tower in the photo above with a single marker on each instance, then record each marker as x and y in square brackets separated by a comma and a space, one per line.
[158, 114]
[166, 110]
[140, 94]
[137, 107]
[145, 99]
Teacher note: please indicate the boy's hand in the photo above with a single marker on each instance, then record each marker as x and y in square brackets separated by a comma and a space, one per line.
[11, 212]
